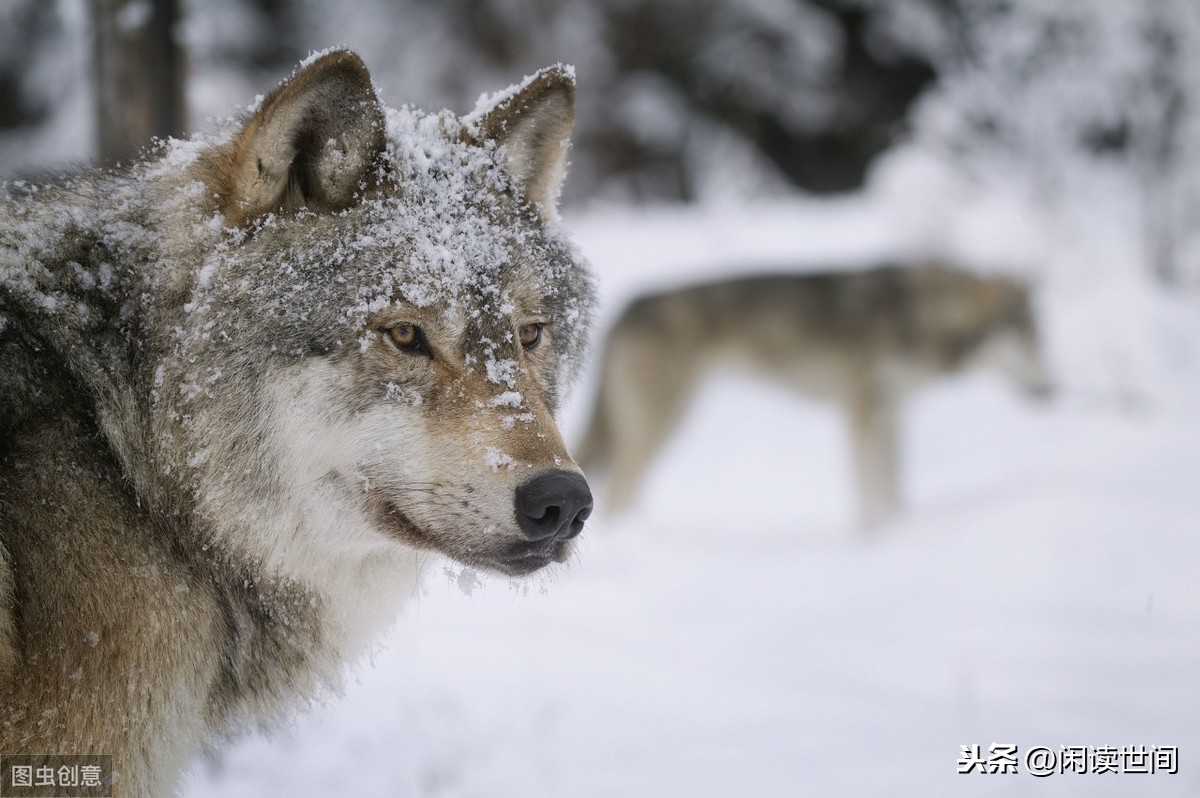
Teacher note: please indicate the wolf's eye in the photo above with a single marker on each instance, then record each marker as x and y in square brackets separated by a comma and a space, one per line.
[530, 335]
[408, 338]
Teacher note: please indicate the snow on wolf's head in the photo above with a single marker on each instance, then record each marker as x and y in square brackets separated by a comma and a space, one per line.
[373, 354]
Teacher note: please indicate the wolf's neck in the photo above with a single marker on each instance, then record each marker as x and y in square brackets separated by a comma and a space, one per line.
[294, 636]
[356, 588]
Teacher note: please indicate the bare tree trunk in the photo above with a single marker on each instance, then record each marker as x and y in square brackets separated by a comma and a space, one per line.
[139, 74]
[1163, 163]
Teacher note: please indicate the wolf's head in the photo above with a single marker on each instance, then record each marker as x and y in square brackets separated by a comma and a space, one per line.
[373, 353]
[1018, 350]
[986, 323]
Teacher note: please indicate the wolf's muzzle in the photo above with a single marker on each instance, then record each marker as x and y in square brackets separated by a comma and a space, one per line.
[553, 505]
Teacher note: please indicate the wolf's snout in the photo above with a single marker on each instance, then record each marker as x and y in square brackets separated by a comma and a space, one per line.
[553, 505]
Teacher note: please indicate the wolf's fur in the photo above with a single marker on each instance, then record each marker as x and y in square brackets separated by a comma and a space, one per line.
[860, 339]
[218, 471]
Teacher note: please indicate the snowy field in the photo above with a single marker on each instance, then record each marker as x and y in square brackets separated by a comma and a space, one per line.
[735, 636]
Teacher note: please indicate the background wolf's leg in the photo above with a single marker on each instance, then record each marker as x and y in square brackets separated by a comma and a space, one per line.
[874, 433]
[647, 389]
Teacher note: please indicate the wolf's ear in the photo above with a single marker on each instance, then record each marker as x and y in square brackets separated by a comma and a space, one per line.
[309, 144]
[533, 123]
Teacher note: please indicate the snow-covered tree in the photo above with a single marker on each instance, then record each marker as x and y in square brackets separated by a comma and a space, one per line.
[678, 98]
[1086, 102]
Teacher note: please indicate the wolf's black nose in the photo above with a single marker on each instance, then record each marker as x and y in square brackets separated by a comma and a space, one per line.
[554, 505]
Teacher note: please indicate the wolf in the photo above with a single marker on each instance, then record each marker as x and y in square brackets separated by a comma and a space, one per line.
[864, 340]
[251, 383]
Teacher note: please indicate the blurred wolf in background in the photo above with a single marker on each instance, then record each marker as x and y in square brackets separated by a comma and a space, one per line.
[861, 339]
[249, 382]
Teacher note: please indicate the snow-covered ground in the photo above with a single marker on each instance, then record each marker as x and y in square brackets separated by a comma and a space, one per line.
[735, 636]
